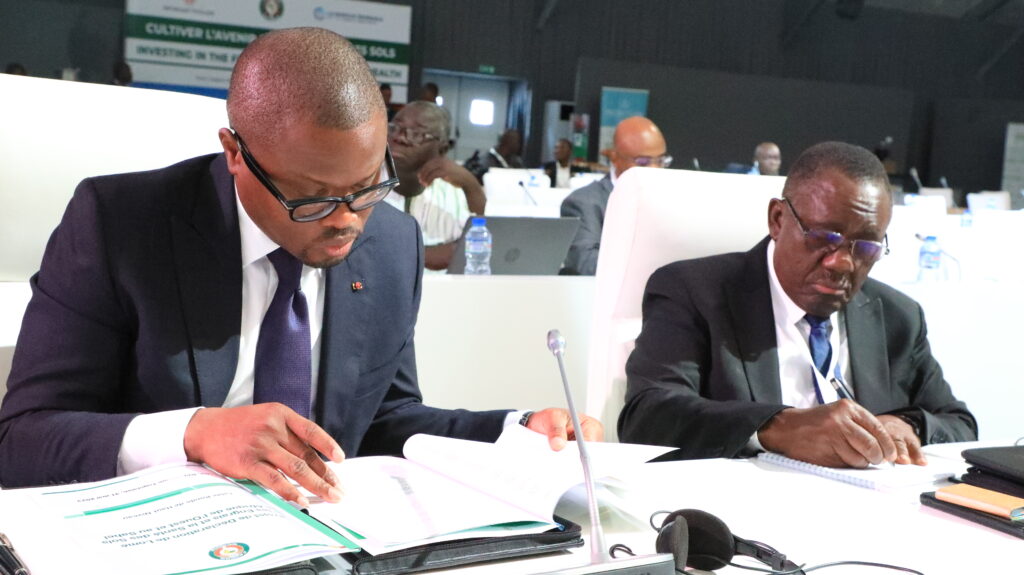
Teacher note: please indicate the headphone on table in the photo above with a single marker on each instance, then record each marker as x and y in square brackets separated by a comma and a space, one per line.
[700, 540]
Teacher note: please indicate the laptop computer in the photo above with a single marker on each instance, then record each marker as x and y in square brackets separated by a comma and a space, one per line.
[522, 246]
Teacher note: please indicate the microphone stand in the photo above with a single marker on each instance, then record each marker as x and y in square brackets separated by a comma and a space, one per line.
[600, 560]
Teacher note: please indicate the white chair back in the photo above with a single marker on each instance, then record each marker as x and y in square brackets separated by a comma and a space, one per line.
[945, 193]
[56, 133]
[991, 200]
[656, 217]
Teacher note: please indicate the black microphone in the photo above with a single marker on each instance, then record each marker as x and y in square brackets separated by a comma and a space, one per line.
[527, 192]
[600, 560]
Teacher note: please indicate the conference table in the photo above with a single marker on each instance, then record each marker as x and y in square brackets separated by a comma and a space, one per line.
[813, 520]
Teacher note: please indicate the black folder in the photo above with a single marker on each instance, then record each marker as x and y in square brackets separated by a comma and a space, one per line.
[466, 551]
[1015, 528]
[996, 468]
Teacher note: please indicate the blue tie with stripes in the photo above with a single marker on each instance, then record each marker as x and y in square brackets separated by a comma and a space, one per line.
[821, 349]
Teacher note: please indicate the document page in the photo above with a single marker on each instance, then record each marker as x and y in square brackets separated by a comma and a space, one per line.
[446, 487]
[169, 520]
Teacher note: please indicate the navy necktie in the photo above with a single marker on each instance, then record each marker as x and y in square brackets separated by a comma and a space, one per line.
[821, 349]
[283, 357]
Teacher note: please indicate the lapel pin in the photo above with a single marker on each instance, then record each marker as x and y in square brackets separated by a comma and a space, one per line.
[357, 286]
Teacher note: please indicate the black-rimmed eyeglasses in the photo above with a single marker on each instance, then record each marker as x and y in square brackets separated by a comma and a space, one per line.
[312, 209]
[865, 251]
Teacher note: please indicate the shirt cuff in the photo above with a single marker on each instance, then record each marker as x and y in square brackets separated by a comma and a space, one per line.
[154, 439]
[513, 417]
[754, 444]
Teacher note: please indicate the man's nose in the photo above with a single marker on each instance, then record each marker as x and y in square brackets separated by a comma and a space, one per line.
[840, 259]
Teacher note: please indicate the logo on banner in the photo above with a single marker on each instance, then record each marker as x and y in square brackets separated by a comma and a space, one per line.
[229, 551]
[272, 9]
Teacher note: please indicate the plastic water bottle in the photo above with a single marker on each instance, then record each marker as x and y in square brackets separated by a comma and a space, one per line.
[929, 262]
[478, 249]
[966, 219]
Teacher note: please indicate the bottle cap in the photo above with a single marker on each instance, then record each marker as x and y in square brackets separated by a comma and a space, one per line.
[479, 221]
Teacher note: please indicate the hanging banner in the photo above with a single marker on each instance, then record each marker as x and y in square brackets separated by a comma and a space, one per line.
[617, 104]
[192, 45]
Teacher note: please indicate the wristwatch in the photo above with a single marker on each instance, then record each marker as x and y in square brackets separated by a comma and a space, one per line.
[525, 419]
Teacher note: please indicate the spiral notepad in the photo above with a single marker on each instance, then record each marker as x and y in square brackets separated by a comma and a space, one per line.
[879, 477]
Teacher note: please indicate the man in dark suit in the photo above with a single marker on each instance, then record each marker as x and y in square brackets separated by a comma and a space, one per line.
[562, 168]
[738, 351]
[157, 289]
[637, 142]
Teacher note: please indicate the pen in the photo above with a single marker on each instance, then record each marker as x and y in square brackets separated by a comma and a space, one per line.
[844, 393]
[10, 563]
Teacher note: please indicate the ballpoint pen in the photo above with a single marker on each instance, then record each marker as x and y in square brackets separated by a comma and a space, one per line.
[10, 563]
[844, 393]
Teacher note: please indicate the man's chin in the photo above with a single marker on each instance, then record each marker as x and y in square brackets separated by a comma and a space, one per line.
[327, 256]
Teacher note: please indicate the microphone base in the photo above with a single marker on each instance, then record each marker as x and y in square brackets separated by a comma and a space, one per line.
[659, 564]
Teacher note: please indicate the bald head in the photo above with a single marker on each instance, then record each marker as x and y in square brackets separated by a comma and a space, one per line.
[854, 162]
[300, 75]
[768, 158]
[636, 137]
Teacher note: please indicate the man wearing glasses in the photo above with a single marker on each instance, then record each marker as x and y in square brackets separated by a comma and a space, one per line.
[637, 142]
[749, 351]
[439, 193]
[267, 284]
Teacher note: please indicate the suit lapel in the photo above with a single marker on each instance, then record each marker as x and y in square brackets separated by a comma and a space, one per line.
[208, 262]
[865, 337]
[350, 294]
[749, 298]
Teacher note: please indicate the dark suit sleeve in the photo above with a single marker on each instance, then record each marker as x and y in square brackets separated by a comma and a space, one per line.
[58, 422]
[582, 258]
[402, 413]
[918, 377]
[686, 387]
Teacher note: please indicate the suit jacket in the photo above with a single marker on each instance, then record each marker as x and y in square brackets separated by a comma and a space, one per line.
[588, 204]
[704, 375]
[550, 170]
[136, 309]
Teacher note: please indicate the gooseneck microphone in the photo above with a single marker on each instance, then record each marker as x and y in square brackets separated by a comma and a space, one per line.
[916, 178]
[526, 191]
[600, 560]
[556, 344]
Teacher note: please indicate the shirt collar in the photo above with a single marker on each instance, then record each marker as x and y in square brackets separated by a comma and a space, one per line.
[255, 243]
[786, 311]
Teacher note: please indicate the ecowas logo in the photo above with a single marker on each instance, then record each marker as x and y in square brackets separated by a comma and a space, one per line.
[271, 9]
[229, 551]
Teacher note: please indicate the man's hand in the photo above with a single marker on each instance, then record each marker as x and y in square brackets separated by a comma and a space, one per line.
[839, 434]
[456, 175]
[557, 425]
[268, 443]
[908, 446]
[447, 170]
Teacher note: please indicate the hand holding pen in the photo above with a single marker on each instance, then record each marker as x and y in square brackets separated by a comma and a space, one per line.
[908, 446]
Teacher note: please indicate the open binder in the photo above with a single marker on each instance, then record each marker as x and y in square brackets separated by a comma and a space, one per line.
[467, 551]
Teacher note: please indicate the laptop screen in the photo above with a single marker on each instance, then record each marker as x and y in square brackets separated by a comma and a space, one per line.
[522, 246]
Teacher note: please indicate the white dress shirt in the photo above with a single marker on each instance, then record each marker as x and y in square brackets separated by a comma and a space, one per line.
[797, 373]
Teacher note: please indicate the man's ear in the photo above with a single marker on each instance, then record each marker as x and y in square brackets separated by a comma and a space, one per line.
[231, 153]
[776, 211]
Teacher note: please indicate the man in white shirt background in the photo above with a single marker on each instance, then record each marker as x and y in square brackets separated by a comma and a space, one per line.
[435, 190]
